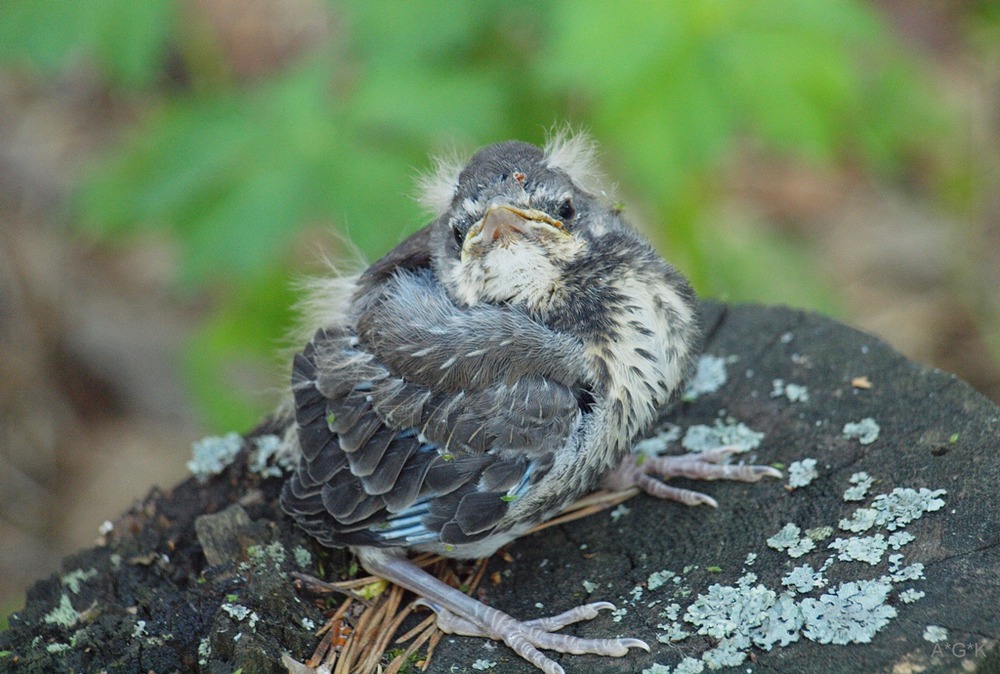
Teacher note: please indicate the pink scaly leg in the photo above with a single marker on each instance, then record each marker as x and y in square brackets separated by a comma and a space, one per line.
[460, 614]
[648, 473]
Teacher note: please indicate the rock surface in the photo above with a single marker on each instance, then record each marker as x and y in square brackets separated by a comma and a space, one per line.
[148, 600]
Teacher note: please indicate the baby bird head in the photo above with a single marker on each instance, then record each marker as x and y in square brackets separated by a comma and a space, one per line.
[513, 220]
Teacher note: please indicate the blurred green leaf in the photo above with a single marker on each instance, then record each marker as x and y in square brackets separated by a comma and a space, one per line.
[128, 39]
[231, 364]
[414, 102]
[678, 88]
[800, 76]
[232, 175]
[673, 90]
[399, 32]
[749, 263]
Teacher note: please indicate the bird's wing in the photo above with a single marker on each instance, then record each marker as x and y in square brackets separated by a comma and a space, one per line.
[412, 253]
[399, 448]
[413, 327]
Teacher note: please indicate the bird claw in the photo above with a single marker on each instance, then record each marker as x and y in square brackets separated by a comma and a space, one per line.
[574, 615]
[527, 637]
[649, 472]
[458, 613]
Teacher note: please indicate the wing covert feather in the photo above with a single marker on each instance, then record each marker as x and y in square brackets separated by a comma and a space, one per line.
[425, 428]
[414, 328]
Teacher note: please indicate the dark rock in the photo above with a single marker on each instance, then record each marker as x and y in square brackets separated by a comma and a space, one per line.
[152, 599]
[220, 535]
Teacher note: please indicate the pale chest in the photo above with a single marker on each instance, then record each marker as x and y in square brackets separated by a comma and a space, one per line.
[646, 357]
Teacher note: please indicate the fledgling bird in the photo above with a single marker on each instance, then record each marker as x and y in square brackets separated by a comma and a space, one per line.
[493, 368]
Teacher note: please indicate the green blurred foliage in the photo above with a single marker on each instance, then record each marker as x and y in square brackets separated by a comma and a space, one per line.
[679, 86]
[124, 38]
[231, 170]
[973, 190]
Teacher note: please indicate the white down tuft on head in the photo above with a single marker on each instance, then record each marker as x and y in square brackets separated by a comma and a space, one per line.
[572, 152]
[436, 188]
[575, 154]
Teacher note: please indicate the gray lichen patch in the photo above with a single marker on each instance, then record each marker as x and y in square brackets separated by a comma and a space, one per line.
[801, 473]
[73, 579]
[795, 393]
[658, 444]
[866, 431]
[211, 455]
[271, 558]
[303, 558]
[659, 578]
[852, 613]
[709, 376]
[861, 548]
[239, 613]
[790, 540]
[728, 433]
[819, 533]
[671, 611]
[899, 573]
[273, 553]
[270, 457]
[861, 520]
[900, 538]
[804, 579]
[689, 666]
[686, 666]
[204, 651]
[743, 615]
[935, 634]
[862, 483]
[700, 437]
[620, 511]
[910, 595]
[743, 607]
[903, 505]
[656, 668]
[748, 614]
[672, 633]
[64, 614]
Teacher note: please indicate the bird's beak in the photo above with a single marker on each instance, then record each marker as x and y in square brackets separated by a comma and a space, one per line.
[502, 223]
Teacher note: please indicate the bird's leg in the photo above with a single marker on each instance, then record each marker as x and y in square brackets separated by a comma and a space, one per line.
[452, 624]
[648, 473]
[459, 613]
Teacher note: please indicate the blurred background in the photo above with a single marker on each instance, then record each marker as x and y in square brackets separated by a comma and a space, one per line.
[169, 168]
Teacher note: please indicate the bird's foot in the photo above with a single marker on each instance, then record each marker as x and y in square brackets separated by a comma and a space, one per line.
[460, 614]
[649, 472]
[528, 636]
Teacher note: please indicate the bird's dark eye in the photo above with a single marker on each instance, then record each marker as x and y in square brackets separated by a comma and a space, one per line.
[566, 210]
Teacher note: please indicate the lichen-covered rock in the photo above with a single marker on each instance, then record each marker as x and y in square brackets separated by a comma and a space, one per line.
[150, 601]
[896, 533]
[924, 557]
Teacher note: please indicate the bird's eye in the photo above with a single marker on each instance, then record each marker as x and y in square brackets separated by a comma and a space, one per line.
[566, 210]
[459, 237]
